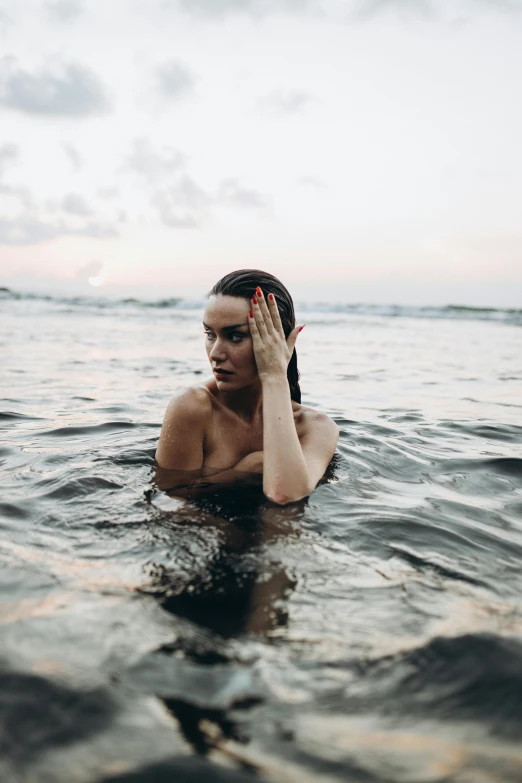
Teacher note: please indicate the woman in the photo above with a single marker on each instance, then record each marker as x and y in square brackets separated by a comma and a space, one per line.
[249, 417]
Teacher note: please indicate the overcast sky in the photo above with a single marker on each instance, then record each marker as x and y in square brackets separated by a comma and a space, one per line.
[359, 149]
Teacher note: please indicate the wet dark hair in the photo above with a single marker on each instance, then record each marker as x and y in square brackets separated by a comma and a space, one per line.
[242, 283]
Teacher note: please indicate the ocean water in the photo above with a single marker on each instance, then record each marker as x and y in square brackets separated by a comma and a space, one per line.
[372, 633]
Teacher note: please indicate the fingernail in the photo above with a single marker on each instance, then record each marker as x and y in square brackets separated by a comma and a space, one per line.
[254, 299]
[301, 328]
[271, 296]
[258, 291]
[251, 314]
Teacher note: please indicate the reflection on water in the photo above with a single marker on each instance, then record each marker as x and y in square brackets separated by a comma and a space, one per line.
[232, 592]
[370, 633]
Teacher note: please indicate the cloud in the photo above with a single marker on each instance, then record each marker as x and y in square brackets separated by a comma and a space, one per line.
[92, 269]
[67, 90]
[20, 195]
[182, 205]
[255, 8]
[179, 201]
[64, 10]
[362, 10]
[75, 205]
[171, 215]
[286, 102]
[8, 153]
[28, 229]
[5, 20]
[230, 192]
[370, 8]
[73, 155]
[309, 181]
[174, 79]
[154, 166]
[501, 5]
[186, 204]
[107, 194]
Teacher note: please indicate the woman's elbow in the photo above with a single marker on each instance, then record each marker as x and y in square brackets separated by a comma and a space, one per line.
[284, 498]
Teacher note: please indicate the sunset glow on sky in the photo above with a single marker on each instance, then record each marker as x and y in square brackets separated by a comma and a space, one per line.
[363, 149]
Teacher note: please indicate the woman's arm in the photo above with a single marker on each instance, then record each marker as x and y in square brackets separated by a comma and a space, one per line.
[291, 469]
[184, 483]
[179, 456]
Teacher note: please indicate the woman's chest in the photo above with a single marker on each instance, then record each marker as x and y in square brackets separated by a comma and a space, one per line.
[229, 439]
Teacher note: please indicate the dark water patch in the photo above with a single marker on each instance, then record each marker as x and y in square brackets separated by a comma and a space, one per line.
[130, 457]
[233, 601]
[231, 593]
[67, 489]
[203, 646]
[218, 686]
[56, 459]
[341, 421]
[508, 433]
[382, 534]
[506, 466]
[475, 677]
[13, 416]
[221, 579]
[84, 399]
[190, 719]
[480, 536]
[434, 564]
[183, 769]
[13, 511]
[198, 691]
[515, 509]
[110, 408]
[89, 429]
[37, 714]
[474, 516]
[403, 417]
[485, 484]
[425, 533]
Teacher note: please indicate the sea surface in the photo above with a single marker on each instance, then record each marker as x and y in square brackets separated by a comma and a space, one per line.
[371, 633]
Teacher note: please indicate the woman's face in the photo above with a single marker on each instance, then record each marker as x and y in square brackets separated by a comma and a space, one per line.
[228, 342]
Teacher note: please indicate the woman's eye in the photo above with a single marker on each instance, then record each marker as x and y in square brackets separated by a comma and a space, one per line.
[208, 335]
[236, 338]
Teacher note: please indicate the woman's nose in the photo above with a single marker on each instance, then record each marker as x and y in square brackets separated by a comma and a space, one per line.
[217, 351]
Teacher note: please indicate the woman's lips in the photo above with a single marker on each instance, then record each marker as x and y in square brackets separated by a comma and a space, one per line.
[219, 373]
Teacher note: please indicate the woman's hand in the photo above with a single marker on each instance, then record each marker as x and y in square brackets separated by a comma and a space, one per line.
[272, 350]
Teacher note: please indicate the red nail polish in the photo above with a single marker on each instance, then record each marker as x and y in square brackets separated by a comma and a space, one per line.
[301, 328]
[271, 296]
[251, 314]
[258, 291]
[254, 299]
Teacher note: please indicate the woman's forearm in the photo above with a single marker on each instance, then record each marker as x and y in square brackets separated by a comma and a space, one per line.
[285, 473]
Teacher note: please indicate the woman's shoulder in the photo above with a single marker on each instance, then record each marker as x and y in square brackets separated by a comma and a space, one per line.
[312, 421]
[193, 402]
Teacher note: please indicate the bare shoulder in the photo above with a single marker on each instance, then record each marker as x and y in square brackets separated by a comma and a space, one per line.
[183, 432]
[318, 436]
[193, 403]
[313, 424]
